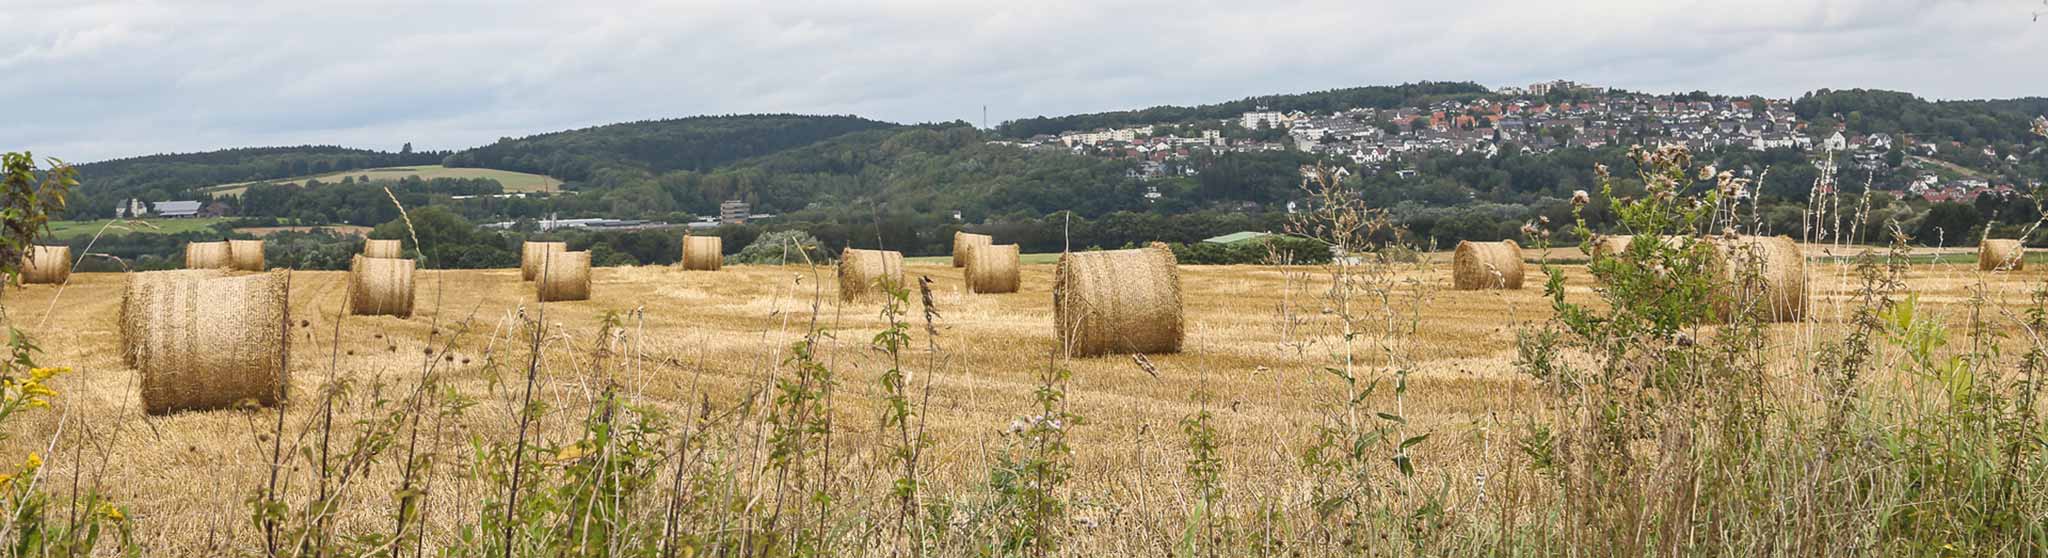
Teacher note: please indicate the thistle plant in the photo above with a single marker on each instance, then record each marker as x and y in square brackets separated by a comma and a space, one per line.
[1203, 470]
[1029, 476]
[1374, 313]
[898, 410]
[799, 427]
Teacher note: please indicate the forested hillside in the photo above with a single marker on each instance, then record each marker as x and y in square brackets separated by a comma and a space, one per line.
[103, 184]
[1865, 111]
[923, 169]
[1377, 96]
[656, 146]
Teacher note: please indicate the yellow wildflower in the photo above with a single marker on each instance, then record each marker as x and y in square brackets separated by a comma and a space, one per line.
[34, 461]
[113, 513]
[46, 373]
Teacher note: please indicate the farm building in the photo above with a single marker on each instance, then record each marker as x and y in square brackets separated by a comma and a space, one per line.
[176, 209]
[1237, 237]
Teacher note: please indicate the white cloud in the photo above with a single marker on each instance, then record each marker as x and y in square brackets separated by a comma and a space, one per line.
[92, 80]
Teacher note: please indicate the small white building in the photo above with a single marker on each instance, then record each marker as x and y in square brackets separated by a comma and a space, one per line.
[1836, 142]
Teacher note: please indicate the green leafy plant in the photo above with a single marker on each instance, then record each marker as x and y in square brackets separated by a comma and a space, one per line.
[31, 196]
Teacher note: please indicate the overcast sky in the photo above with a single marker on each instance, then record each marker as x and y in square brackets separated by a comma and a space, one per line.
[89, 80]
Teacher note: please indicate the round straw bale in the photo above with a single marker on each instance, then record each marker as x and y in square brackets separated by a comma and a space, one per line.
[380, 286]
[1608, 245]
[246, 255]
[1486, 265]
[48, 265]
[532, 253]
[1614, 245]
[383, 249]
[993, 269]
[1118, 302]
[208, 342]
[1760, 274]
[207, 255]
[142, 292]
[2001, 254]
[563, 276]
[703, 253]
[964, 244]
[862, 271]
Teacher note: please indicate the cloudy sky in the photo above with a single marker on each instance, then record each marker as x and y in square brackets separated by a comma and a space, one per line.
[89, 80]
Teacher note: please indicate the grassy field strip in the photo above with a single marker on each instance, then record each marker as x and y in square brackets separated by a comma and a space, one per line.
[512, 181]
[64, 230]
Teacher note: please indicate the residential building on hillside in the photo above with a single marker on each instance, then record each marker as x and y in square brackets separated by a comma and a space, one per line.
[1253, 120]
[1836, 142]
[733, 212]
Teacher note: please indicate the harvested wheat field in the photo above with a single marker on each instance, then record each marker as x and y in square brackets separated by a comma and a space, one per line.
[1255, 340]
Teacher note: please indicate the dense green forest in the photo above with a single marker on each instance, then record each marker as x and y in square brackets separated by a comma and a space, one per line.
[655, 146]
[1376, 96]
[352, 203]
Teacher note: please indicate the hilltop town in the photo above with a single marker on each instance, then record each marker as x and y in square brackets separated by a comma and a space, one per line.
[1538, 118]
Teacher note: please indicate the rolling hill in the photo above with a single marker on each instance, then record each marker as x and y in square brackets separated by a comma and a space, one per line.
[511, 180]
[1375, 96]
[103, 184]
[655, 146]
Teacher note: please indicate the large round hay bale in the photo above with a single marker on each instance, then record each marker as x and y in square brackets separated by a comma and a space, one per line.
[563, 276]
[380, 287]
[245, 255]
[2001, 254]
[383, 248]
[143, 289]
[703, 253]
[1760, 274]
[1609, 245]
[202, 341]
[1118, 302]
[46, 265]
[1486, 265]
[993, 269]
[861, 272]
[531, 254]
[964, 244]
[1615, 245]
[207, 255]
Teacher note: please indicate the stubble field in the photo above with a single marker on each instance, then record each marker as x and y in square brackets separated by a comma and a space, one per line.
[702, 343]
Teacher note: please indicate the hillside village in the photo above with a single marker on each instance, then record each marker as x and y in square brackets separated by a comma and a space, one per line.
[1521, 118]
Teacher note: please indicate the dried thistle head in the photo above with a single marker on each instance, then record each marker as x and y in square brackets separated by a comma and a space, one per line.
[1580, 198]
